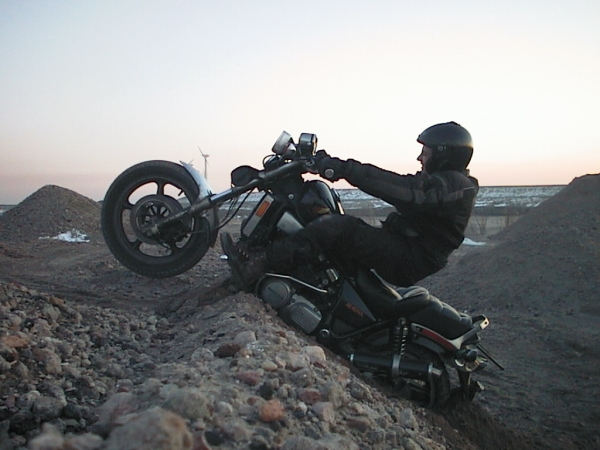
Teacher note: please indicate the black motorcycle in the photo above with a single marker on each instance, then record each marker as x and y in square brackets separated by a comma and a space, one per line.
[159, 219]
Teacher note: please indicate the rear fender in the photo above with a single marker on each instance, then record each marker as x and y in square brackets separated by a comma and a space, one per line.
[451, 345]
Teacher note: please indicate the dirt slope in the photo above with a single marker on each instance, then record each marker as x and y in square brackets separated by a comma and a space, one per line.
[538, 282]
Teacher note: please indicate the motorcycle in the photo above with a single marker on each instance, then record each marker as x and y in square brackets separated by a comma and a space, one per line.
[160, 218]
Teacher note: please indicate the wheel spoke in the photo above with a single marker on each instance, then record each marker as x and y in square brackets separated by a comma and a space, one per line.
[173, 247]
[160, 187]
[127, 204]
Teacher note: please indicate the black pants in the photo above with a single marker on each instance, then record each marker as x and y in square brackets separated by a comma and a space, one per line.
[398, 259]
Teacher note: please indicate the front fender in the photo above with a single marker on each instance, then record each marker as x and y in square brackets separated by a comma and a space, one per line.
[204, 191]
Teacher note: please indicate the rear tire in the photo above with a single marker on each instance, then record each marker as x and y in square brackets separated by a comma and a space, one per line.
[433, 393]
[142, 194]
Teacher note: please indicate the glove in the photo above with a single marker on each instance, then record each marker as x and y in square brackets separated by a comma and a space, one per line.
[330, 168]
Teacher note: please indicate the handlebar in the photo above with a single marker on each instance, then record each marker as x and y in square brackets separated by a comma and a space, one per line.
[208, 202]
[264, 176]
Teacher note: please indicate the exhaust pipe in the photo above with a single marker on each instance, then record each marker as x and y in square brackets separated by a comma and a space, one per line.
[395, 366]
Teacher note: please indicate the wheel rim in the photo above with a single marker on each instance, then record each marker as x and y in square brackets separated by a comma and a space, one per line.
[138, 208]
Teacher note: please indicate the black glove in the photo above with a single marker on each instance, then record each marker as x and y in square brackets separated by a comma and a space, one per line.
[328, 167]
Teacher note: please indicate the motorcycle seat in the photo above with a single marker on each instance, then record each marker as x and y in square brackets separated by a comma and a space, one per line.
[387, 302]
[443, 318]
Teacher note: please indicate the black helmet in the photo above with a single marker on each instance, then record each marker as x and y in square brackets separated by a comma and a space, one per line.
[452, 147]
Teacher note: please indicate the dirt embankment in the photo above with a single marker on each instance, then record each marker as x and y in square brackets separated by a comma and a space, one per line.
[537, 281]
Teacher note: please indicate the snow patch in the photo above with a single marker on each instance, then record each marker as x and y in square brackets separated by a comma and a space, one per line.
[70, 236]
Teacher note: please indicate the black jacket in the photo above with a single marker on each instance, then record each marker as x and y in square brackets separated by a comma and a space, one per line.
[435, 208]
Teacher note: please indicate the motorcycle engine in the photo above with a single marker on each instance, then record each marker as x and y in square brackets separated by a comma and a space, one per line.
[293, 308]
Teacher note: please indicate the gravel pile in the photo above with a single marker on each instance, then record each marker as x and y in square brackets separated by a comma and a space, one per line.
[48, 212]
[230, 375]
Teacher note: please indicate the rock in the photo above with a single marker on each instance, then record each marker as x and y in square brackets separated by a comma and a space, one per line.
[153, 429]
[361, 424]
[407, 419]
[295, 361]
[224, 409]
[269, 366]
[5, 440]
[271, 411]
[333, 392]
[117, 405]
[86, 441]
[303, 377]
[237, 430]
[23, 421]
[14, 341]
[250, 377]
[188, 402]
[227, 350]
[329, 442]
[50, 439]
[309, 396]
[48, 408]
[316, 355]
[5, 366]
[324, 411]
[245, 338]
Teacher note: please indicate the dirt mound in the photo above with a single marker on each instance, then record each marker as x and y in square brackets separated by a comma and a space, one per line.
[548, 258]
[538, 281]
[48, 212]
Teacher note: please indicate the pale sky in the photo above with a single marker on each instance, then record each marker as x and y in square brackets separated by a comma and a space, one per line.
[89, 88]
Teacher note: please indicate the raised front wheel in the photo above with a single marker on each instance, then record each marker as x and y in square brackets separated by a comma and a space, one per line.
[140, 196]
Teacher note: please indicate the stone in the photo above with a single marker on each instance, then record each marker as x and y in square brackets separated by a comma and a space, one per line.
[48, 408]
[117, 405]
[227, 350]
[309, 396]
[407, 419]
[250, 377]
[324, 411]
[245, 338]
[153, 429]
[361, 424]
[316, 355]
[334, 393]
[50, 439]
[189, 402]
[271, 411]
[14, 341]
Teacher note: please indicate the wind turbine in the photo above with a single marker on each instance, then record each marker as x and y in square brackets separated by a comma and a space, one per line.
[205, 156]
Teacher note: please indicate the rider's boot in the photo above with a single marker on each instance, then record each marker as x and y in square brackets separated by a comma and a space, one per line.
[247, 265]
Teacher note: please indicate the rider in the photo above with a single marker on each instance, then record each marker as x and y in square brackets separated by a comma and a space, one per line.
[433, 208]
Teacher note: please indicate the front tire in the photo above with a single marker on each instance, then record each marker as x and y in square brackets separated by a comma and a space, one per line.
[141, 195]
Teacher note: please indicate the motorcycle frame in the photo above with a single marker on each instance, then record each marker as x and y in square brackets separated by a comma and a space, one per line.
[423, 336]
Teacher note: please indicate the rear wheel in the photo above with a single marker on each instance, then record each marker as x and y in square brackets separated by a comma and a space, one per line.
[431, 392]
[140, 196]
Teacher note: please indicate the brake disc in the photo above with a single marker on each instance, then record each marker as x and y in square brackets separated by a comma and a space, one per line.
[149, 210]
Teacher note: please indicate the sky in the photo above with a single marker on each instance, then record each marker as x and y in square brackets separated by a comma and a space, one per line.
[89, 88]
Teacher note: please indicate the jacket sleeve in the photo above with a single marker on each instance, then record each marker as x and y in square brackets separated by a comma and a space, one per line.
[395, 189]
[433, 195]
